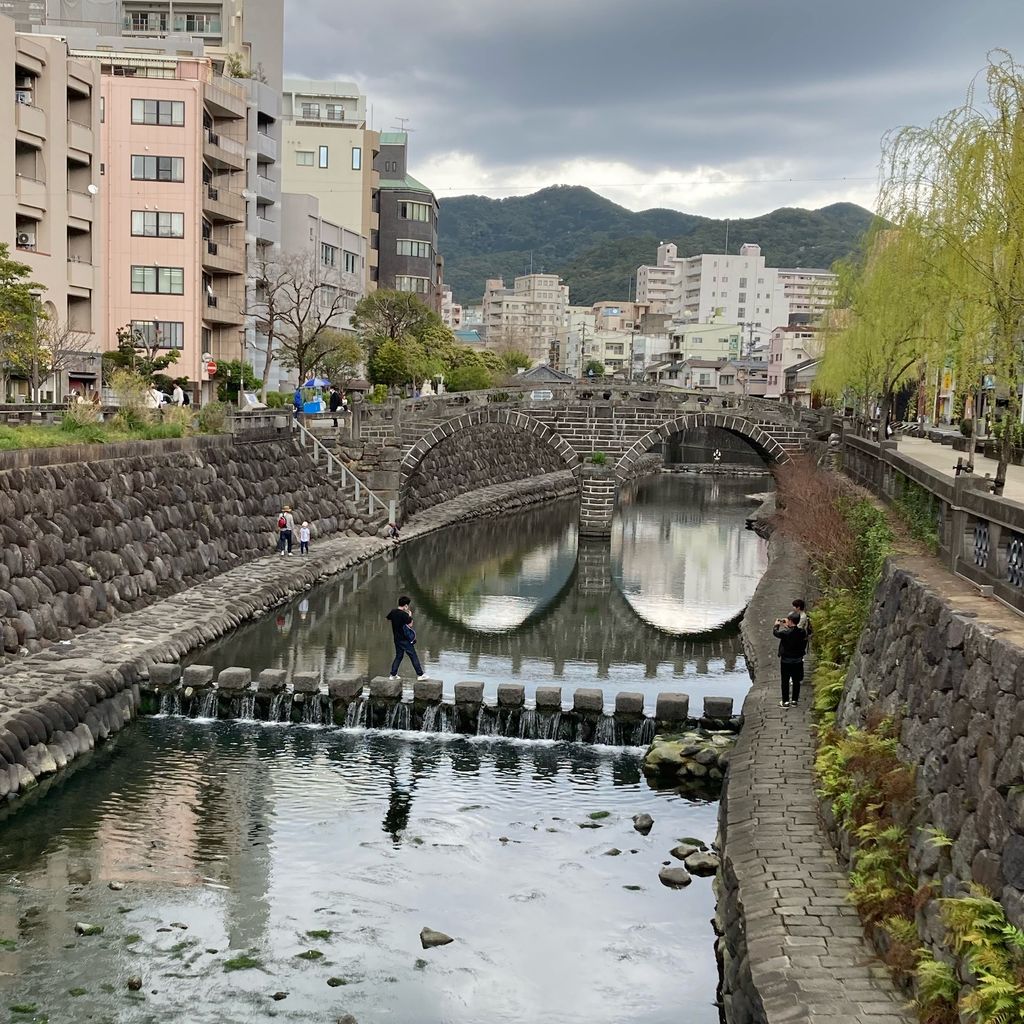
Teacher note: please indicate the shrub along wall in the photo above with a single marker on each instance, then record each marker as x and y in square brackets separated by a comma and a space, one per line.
[112, 531]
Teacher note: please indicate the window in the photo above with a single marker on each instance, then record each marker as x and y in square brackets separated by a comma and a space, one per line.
[357, 158]
[335, 112]
[741, 312]
[328, 296]
[167, 112]
[351, 263]
[414, 211]
[145, 21]
[322, 156]
[103, 109]
[158, 225]
[742, 297]
[743, 282]
[310, 109]
[410, 247]
[158, 280]
[304, 157]
[412, 284]
[159, 333]
[204, 24]
[158, 168]
[328, 254]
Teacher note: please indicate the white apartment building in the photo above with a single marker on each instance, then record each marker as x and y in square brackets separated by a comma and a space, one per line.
[527, 317]
[705, 341]
[328, 152]
[789, 345]
[809, 293]
[654, 284]
[50, 172]
[451, 311]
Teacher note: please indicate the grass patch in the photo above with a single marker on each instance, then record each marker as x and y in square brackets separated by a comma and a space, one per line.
[130, 939]
[319, 933]
[112, 432]
[8, 944]
[310, 954]
[242, 963]
[23, 1008]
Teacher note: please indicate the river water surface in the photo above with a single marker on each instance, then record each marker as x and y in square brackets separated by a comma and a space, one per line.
[319, 854]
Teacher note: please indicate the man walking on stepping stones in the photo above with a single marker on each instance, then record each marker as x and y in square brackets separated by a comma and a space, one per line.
[405, 637]
[792, 648]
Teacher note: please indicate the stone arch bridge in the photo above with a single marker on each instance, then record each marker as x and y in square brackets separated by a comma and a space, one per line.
[427, 450]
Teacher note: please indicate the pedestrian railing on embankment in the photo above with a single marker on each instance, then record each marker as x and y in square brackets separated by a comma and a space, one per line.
[979, 535]
[341, 474]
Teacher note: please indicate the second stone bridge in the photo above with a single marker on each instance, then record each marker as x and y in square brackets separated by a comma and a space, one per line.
[428, 450]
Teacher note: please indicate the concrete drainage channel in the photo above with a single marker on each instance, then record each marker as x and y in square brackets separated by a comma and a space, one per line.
[688, 748]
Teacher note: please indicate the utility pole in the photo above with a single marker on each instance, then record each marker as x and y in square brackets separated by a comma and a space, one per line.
[750, 326]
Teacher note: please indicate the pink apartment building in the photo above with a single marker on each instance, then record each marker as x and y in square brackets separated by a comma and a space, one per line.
[173, 162]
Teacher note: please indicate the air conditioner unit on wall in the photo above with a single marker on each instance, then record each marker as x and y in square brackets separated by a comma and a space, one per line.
[24, 238]
[23, 96]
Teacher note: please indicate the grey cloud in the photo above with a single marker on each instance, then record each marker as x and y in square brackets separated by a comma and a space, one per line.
[654, 83]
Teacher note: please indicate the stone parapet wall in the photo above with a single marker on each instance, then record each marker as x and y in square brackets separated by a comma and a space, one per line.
[93, 532]
[948, 666]
[482, 455]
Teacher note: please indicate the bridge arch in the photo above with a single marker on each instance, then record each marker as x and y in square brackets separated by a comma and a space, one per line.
[441, 436]
[771, 449]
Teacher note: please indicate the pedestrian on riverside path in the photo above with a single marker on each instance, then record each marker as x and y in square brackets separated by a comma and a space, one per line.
[286, 525]
[792, 648]
[800, 607]
[336, 403]
[304, 539]
[405, 637]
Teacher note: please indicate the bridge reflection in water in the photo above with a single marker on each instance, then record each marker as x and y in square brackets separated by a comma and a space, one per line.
[523, 598]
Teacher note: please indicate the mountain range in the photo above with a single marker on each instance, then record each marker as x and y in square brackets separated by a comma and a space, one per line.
[596, 245]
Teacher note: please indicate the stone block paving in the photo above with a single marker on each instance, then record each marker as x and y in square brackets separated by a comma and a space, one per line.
[108, 659]
[809, 960]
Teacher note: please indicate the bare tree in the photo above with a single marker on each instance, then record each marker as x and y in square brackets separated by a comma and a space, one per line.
[298, 303]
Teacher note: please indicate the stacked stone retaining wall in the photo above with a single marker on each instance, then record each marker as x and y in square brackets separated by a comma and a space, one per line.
[948, 666]
[91, 532]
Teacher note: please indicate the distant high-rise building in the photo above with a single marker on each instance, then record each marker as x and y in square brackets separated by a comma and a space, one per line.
[654, 283]
[531, 317]
[329, 153]
[50, 172]
[409, 260]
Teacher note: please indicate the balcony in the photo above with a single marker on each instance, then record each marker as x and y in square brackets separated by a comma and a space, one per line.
[80, 275]
[30, 123]
[267, 188]
[266, 148]
[80, 142]
[31, 193]
[80, 209]
[223, 152]
[221, 258]
[222, 310]
[80, 76]
[225, 98]
[224, 205]
[268, 230]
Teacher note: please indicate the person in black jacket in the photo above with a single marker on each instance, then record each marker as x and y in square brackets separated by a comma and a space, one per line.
[405, 637]
[792, 648]
[335, 403]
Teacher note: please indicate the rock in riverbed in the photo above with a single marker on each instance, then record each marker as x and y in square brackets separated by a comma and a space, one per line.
[701, 863]
[429, 938]
[643, 823]
[674, 878]
[684, 850]
[82, 928]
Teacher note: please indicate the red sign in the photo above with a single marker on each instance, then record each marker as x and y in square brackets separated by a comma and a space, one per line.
[211, 368]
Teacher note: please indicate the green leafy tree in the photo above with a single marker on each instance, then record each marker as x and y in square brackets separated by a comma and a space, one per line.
[140, 356]
[20, 313]
[228, 371]
[595, 367]
[962, 178]
[388, 365]
[344, 360]
[471, 376]
[392, 315]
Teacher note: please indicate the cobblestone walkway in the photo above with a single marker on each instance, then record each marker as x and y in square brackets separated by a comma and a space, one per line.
[808, 958]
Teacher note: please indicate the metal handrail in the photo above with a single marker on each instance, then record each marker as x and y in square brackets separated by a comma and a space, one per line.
[347, 476]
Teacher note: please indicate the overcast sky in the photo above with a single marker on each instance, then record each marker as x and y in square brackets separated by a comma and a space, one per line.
[719, 107]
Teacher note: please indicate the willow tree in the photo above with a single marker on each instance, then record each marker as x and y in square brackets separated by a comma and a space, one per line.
[962, 177]
[876, 335]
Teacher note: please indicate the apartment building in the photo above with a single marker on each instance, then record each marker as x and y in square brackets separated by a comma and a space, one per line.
[173, 148]
[51, 171]
[654, 284]
[329, 152]
[528, 317]
[705, 341]
[409, 260]
[809, 293]
[451, 311]
[789, 346]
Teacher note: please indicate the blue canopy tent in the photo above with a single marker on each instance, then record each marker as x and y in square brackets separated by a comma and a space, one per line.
[314, 403]
[317, 382]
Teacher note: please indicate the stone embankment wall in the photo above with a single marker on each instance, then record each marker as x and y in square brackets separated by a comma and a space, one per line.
[487, 454]
[955, 683]
[125, 525]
